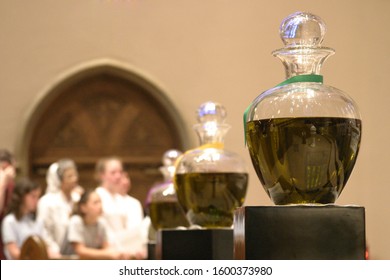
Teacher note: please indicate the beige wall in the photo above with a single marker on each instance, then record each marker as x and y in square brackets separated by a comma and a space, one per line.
[206, 50]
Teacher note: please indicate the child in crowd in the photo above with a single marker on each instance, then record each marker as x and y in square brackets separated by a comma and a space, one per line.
[21, 222]
[87, 231]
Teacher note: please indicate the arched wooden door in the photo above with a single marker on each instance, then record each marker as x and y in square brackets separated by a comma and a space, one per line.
[97, 114]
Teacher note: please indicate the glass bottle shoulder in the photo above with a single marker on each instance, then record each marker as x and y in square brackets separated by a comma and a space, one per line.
[303, 99]
[210, 159]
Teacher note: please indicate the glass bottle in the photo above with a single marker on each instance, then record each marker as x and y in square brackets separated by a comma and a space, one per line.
[164, 209]
[210, 181]
[303, 136]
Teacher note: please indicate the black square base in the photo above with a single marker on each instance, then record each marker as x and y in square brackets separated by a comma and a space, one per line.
[300, 232]
[197, 244]
[151, 250]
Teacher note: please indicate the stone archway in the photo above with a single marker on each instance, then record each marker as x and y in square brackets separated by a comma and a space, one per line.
[103, 111]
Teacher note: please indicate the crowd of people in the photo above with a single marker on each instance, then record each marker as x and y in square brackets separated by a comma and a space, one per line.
[99, 223]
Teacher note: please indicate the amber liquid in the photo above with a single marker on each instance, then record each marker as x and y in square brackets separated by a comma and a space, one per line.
[167, 215]
[209, 199]
[304, 160]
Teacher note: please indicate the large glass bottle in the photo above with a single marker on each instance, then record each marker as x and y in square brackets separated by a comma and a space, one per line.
[164, 209]
[210, 181]
[303, 136]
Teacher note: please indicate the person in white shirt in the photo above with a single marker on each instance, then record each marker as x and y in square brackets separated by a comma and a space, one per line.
[132, 204]
[56, 206]
[123, 214]
[136, 221]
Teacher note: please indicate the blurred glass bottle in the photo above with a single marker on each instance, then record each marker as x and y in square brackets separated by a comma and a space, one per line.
[211, 182]
[164, 209]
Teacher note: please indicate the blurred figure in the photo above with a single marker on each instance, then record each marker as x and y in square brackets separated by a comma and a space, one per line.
[53, 183]
[7, 178]
[136, 222]
[21, 221]
[122, 214]
[132, 205]
[87, 231]
[56, 206]
[125, 185]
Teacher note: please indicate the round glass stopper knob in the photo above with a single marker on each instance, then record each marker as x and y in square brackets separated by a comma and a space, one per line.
[169, 158]
[302, 29]
[211, 112]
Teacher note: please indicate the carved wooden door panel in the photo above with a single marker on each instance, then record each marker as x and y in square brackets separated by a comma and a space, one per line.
[104, 115]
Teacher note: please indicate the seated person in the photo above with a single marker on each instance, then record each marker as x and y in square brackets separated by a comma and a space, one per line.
[21, 222]
[56, 206]
[87, 232]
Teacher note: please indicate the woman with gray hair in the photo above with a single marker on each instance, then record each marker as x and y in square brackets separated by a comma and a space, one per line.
[56, 206]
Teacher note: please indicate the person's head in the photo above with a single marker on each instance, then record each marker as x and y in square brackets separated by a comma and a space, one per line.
[6, 158]
[109, 172]
[125, 184]
[25, 198]
[89, 205]
[67, 174]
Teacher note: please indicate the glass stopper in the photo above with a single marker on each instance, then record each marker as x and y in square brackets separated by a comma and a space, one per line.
[211, 112]
[211, 126]
[169, 158]
[302, 29]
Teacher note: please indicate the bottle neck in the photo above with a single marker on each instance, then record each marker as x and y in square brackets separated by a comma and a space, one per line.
[211, 132]
[303, 60]
[168, 172]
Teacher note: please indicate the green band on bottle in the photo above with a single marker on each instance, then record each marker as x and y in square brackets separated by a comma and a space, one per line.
[311, 78]
[303, 79]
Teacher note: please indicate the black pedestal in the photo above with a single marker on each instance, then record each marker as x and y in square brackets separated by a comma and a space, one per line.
[299, 232]
[151, 250]
[200, 244]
